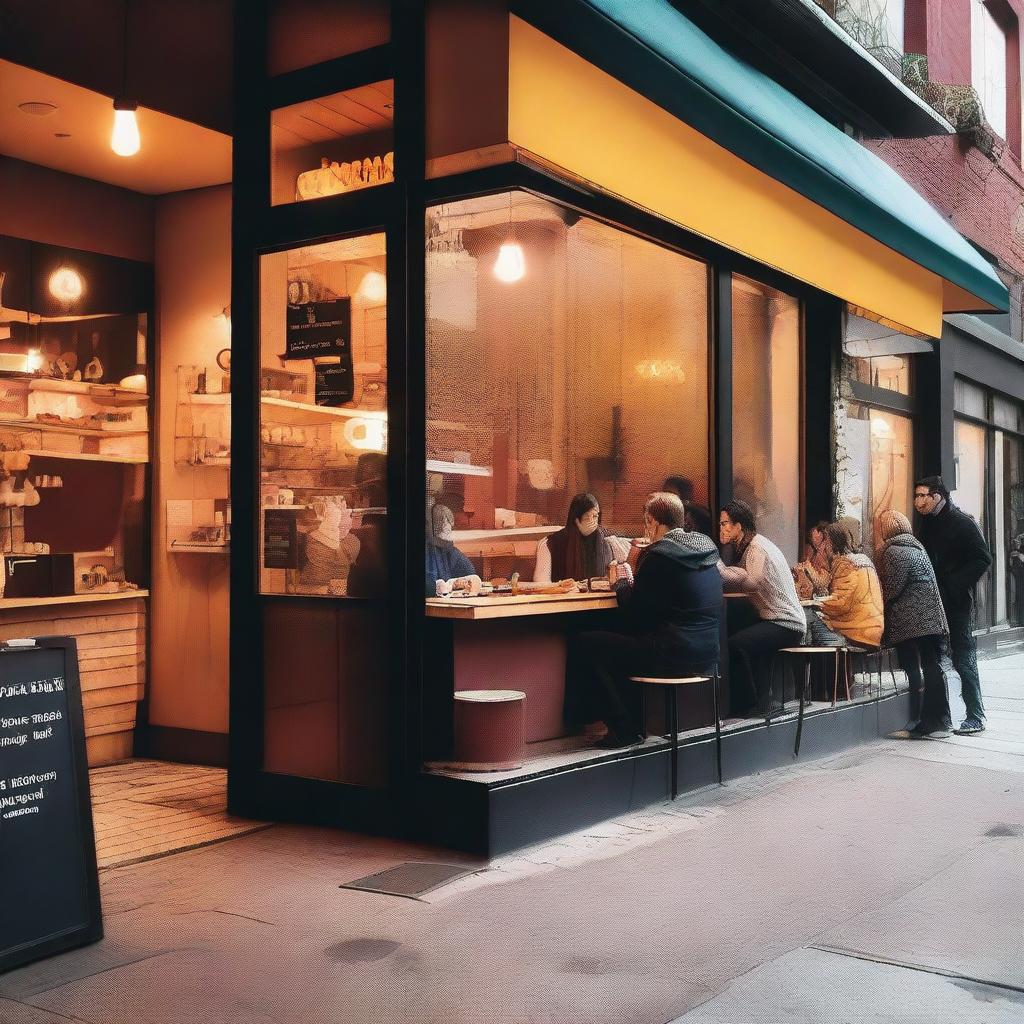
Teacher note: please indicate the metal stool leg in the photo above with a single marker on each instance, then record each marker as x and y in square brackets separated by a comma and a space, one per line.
[771, 691]
[674, 725]
[643, 710]
[800, 717]
[835, 682]
[718, 727]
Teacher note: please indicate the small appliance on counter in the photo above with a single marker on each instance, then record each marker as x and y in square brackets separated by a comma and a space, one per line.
[27, 575]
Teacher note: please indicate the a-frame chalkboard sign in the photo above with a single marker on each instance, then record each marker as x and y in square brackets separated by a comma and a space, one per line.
[49, 887]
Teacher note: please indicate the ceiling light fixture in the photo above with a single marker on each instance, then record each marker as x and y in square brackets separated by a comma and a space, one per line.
[124, 138]
[373, 288]
[510, 266]
[66, 285]
[38, 108]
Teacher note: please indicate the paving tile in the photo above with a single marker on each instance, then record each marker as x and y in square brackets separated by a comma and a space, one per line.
[809, 985]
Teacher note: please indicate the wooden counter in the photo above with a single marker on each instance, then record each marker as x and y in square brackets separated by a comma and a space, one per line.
[111, 633]
[519, 606]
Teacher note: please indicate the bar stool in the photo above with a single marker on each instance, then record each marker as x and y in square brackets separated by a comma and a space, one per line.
[488, 729]
[836, 649]
[807, 653]
[877, 653]
[671, 685]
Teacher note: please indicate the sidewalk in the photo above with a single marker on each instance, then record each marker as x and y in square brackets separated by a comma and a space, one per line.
[884, 884]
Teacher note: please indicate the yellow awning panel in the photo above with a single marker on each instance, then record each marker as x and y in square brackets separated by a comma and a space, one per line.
[569, 113]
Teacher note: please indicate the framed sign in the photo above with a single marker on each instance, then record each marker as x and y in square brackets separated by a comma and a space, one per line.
[334, 383]
[49, 885]
[317, 329]
[280, 539]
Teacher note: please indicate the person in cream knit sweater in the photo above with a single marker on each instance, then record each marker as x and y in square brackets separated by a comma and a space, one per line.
[762, 573]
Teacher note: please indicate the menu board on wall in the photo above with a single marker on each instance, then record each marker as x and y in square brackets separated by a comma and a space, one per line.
[280, 540]
[334, 383]
[316, 329]
[49, 887]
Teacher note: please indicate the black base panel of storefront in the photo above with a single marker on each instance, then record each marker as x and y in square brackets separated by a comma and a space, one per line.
[494, 818]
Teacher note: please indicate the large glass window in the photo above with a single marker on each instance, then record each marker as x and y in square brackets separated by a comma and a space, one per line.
[323, 444]
[563, 356]
[767, 404]
[988, 64]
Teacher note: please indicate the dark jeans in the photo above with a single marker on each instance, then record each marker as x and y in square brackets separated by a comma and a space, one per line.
[964, 649]
[598, 688]
[929, 695]
[750, 652]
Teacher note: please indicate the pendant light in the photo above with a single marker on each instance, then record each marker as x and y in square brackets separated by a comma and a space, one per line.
[510, 266]
[124, 138]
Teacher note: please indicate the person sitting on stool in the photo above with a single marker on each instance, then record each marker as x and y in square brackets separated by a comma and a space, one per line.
[671, 625]
[762, 573]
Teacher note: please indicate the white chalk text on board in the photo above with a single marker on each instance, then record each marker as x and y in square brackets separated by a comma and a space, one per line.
[22, 795]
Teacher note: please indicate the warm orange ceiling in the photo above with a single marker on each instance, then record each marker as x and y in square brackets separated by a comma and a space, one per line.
[175, 154]
[367, 108]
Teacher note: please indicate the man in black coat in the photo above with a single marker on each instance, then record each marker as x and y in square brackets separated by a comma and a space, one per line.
[961, 557]
[670, 625]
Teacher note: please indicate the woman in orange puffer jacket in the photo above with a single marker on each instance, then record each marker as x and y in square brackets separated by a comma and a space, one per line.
[855, 608]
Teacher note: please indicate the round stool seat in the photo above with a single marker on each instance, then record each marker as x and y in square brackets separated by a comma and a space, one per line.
[489, 696]
[488, 729]
[670, 680]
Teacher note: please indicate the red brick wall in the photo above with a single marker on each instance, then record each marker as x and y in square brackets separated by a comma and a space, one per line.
[982, 197]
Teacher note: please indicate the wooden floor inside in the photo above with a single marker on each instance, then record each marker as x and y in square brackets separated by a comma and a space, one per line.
[143, 809]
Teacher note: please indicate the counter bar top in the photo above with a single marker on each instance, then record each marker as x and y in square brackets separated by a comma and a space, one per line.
[520, 606]
[40, 602]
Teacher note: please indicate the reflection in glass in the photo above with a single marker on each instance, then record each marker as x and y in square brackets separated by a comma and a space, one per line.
[323, 423]
[892, 467]
[971, 483]
[574, 361]
[767, 405]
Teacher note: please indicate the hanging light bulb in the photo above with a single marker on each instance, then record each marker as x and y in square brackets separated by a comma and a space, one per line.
[510, 266]
[124, 139]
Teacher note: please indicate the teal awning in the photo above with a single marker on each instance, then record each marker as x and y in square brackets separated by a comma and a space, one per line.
[656, 50]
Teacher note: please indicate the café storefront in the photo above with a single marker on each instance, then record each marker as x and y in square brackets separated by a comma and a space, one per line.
[593, 253]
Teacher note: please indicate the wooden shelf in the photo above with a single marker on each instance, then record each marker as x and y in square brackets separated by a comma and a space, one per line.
[282, 410]
[102, 394]
[41, 602]
[60, 428]
[44, 453]
[195, 548]
[457, 468]
[224, 398]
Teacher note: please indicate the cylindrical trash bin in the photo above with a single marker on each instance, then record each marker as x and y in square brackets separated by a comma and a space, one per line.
[489, 729]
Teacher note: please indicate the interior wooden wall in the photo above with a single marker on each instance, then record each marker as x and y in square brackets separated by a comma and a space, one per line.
[189, 635]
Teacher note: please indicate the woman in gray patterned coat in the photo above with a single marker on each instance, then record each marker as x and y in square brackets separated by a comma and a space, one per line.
[915, 624]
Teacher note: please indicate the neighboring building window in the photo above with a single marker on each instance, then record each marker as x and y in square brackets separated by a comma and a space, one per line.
[988, 64]
[989, 457]
[878, 428]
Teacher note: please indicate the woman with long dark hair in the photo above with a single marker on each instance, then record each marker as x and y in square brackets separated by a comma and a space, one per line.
[580, 550]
